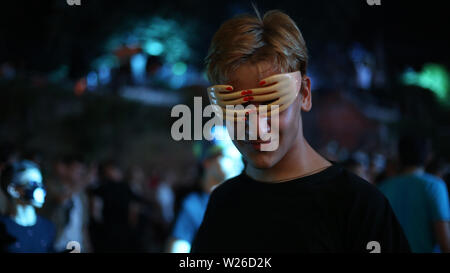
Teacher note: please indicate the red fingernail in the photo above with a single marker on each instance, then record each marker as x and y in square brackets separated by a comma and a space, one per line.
[243, 93]
[249, 92]
[229, 88]
[248, 98]
[250, 111]
[262, 82]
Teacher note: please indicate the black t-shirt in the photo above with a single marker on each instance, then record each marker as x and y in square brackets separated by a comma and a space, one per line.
[330, 211]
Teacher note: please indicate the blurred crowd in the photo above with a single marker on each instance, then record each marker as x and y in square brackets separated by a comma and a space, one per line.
[104, 206]
[107, 207]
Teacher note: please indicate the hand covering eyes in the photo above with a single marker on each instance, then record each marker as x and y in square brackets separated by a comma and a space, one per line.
[279, 89]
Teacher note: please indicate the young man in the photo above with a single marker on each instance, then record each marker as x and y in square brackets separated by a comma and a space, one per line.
[290, 199]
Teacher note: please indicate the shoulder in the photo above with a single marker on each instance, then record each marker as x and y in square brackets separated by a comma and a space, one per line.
[389, 181]
[433, 180]
[224, 191]
[360, 191]
[226, 187]
[366, 205]
[45, 223]
[434, 186]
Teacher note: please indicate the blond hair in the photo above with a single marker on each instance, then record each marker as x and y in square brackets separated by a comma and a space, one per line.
[248, 38]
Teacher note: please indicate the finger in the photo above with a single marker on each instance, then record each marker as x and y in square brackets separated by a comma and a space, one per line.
[273, 79]
[267, 97]
[216, 89]
[284, 99]
[230, 96]
[238, 101]
[220, 88]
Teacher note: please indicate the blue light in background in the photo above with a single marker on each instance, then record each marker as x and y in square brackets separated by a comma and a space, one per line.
[358, 53]
[104, 75]
[181, 246]
[131, 40]
[364, 63]
[92, 80]
[138, 64]
[154, 48]
[177, 81]
[364, 76]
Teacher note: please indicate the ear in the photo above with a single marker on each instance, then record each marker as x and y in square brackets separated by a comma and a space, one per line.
[305, 92]
[12, 191]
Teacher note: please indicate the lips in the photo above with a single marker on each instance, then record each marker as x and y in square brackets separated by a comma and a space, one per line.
[257, 144]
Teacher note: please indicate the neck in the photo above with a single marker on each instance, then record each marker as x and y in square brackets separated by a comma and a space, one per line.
[413, 170]
[300, 160]
[25, 215]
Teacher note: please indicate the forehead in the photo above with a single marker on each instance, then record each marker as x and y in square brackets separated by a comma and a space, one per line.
[248, 75]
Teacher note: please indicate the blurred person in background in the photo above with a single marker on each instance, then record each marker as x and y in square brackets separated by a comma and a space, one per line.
[165, 196]
[356, 167]
[420, 200]
[390, 170]
[194, 204]
[145, 215]
[67, 204]
[438, 167]
[446, 179]
[135, 176]
[377, 166]
[25, 231]
[113, 212]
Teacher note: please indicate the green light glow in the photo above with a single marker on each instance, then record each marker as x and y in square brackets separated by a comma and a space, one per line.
[157, 36]
[179, 68]
[433, 77]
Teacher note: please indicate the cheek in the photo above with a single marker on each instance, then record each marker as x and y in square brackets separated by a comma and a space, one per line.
[289, 121]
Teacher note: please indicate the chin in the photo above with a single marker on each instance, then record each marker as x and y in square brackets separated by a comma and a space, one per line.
[258, 159]
[261, 160]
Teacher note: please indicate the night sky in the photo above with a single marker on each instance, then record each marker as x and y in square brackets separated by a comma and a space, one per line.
[42, 35]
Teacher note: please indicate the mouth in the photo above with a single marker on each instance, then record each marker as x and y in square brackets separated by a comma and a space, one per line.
[256, 144]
